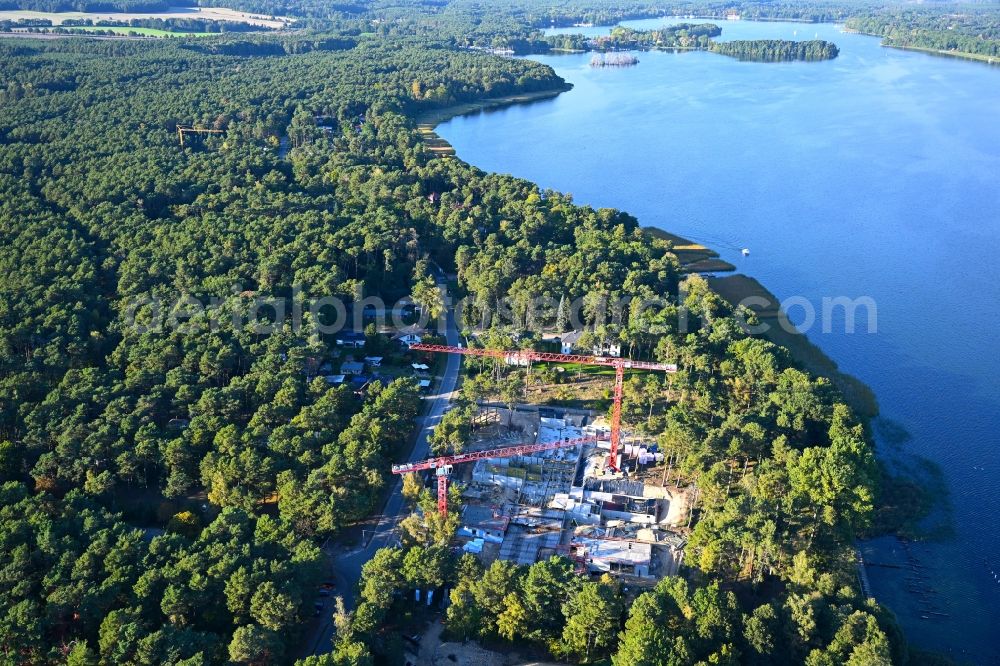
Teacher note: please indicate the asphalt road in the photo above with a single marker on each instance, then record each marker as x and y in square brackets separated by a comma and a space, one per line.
[346, 563]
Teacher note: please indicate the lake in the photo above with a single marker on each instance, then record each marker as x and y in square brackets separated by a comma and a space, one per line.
[876, 174]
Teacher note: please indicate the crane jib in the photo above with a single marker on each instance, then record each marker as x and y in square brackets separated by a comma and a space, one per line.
[505, 452]
[524, 357]
[516, 355]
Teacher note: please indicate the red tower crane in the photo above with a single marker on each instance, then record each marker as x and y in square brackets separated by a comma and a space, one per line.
[525, 357]
[443, 464]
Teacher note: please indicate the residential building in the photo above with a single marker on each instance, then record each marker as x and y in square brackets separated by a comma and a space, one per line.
[350, 339]
[352, 368]
[567, 341]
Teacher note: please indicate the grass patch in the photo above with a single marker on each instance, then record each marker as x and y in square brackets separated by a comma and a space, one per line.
[572, 369]
[694, 257]
[583, 369]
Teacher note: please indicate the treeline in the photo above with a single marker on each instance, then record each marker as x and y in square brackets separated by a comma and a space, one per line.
[264, 46]
[184, 24]
[93, 5]
[523, 13]
[777, 50]
[566, 13]
[974, 30]
[698, 36]
[298, 8]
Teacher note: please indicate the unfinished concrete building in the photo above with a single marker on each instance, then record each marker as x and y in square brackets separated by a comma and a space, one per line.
[563, 501]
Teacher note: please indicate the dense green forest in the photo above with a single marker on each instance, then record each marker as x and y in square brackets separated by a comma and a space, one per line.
[682, 35]
[570, 12]
[972, 30]
[515, 24]
[166, 487]
[101, 207]
[776, 50]
[580, 621]
[544, 13]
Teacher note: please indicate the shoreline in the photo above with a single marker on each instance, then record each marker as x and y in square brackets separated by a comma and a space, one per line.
[442, 114]
[960, 55]
[428, 121]
[695, 258]
[858, 395]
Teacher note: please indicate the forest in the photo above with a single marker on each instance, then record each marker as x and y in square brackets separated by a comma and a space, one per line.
[974, 30]
[682, 35]
[187, 430]
[776, 50]
[517, 24]
[566, 13]
[166, 489]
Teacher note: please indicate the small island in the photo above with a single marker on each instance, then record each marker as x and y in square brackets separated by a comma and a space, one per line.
[613, 60]
[693, 37]
[777, 50]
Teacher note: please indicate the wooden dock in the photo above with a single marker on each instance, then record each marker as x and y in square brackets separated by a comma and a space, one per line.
[866, 588]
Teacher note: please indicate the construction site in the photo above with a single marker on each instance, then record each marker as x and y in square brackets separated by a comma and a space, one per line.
[538, 482]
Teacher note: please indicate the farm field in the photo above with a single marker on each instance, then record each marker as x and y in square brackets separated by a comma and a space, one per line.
[206, 13]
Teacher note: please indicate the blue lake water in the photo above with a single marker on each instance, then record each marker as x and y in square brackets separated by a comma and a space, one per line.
[875, 174]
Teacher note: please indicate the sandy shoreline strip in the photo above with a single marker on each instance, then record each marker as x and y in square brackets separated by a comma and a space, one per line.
[428, 121]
